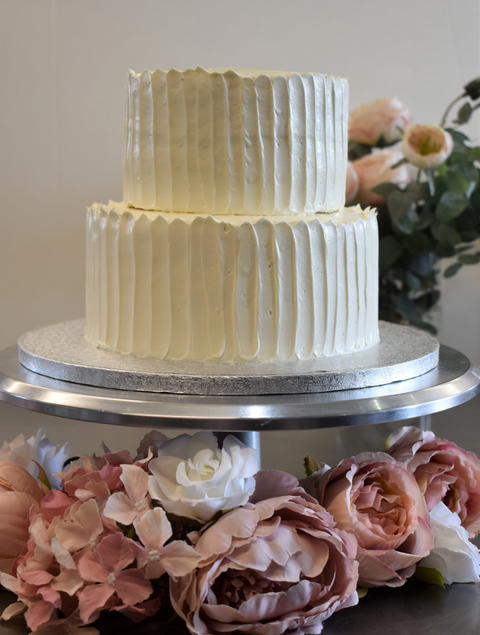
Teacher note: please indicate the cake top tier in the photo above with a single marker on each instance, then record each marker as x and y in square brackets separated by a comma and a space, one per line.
[236, 141]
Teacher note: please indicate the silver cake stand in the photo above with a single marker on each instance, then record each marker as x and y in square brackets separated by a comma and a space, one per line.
[450, 382]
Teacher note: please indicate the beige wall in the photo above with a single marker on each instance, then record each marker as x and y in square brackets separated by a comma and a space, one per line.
[64, 66]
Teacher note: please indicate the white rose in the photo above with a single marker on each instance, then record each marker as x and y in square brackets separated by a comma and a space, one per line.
[48, 455]
[453, 555]
[194, 479]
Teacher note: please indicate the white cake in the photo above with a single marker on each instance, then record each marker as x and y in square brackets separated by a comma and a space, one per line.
[232, 242]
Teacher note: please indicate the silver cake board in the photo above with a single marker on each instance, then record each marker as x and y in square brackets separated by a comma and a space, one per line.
[60, 351]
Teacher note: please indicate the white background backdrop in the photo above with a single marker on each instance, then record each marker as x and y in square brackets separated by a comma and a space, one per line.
[64, 65]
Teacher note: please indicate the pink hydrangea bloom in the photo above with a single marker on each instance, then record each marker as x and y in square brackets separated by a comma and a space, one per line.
[129, 506]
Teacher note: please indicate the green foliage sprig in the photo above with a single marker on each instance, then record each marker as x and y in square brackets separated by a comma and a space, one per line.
[435, 216]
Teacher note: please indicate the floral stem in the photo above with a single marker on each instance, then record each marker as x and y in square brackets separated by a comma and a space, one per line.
[419, 174]
[449, 107]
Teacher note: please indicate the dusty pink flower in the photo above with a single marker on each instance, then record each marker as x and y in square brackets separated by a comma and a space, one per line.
[381, 118]
[83, 530]
[377, 500]
[19, 493]
[275, 566]
[376, 168]
[353, 183]
[150, 443]
[126, 507]
[107, 566]
[444, 472]
[426, 146]
[177, 558]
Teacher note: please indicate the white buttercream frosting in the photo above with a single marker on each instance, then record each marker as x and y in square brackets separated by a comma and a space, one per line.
[236, 141]
[206, 287]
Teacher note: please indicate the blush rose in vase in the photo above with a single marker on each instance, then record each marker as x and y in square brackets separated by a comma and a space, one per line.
[424, 181]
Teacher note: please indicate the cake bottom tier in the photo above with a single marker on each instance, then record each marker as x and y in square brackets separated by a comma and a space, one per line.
[188, 286]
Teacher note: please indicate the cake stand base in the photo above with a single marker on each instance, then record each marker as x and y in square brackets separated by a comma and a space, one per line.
[61, 352]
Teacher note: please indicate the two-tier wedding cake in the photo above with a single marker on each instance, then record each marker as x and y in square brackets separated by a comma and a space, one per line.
[232, 242]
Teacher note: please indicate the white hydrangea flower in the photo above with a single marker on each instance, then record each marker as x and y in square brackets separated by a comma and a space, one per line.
[453, 555]
[194, 479]
[48, 455]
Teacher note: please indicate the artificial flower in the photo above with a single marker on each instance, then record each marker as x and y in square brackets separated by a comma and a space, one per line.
[177, 558]
[426, 146]
[376, 499]
[193, 478]
[452, 555]
[37, 451]
[107, 566]
[444, 472]
[126, 507]
[353, 183]
[378, 167]
[278, 565]
[381, 119]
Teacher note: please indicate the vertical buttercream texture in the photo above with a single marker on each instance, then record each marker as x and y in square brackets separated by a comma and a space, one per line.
[228, 142]
[226, 288]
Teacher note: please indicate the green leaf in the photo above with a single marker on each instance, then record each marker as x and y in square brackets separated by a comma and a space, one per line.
[452, 270]
[310, 465]
[417, 243]
[469, 171]
[418, 191]
[357, 150]
[390, 250]
[457, 158]
[469, 236]
[399, 163]
[384, 189]
[464, 113]
[450, 206]
[431, 576]
[458, 137]
[443, 250]
[425, 218]
[441, 169]
[445, 234]
[469, 259]
[407, 308]
[457, 182]
[399, 205]
[413, 283]
[362, 592]
[474, 153]
[408, 223]
[421, 265]
[475, 199]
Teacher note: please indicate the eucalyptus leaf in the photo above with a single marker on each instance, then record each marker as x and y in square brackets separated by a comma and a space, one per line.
[474, 153]
[418, 191]
[408, 223]
[412, 281]
[444, 250]
[458, 137]
[431, 181]
[399, 205]
[469, 259]
[407, 308]
[425, 218]
[457, 158]
[469, 171]
[357, 150]
[469, 236]
[384, 189]
[475, 199]
[450, 206]
[389, 251]
[417, 243]
[464, 113]
[452, 270]
[445, 234]
[457, 182]
[472, 89]
[421, 265]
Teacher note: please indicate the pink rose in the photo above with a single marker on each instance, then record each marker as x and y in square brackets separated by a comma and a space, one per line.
[426, 146]
[381, 118]
[352, 184]
[275, 566]
[377, 500]
[376, 168]
[444, 472]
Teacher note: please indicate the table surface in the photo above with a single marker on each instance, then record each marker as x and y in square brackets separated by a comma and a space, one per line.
[454, 381]
[414, 609]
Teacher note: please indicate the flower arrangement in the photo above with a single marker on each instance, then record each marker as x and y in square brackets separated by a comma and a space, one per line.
[427, 191]
[194, 532]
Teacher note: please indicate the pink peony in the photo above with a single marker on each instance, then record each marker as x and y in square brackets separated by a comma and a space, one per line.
[379, 502]
[19, 493]
[376, 168]
[426, 146]
[275, 566]
[353, 183]
[444, 472]
[381, 118]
